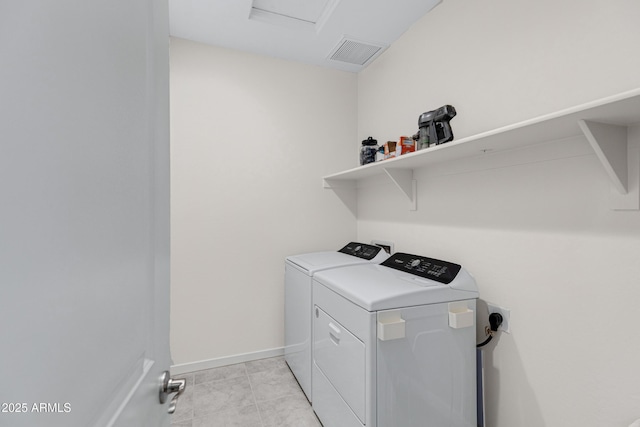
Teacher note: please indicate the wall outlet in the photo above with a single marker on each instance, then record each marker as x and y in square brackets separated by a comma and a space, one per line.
[505, 312]
[387, 246]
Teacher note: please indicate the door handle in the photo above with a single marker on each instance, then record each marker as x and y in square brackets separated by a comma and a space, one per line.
[334, 333]
[169, 386]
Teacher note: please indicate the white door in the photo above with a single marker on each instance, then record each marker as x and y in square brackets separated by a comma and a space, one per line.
[84, 212]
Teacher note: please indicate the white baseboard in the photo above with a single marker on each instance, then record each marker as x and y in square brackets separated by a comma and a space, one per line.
[184, 368]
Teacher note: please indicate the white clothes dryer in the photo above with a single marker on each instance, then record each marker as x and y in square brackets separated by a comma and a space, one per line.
[299, 271]
[394, 344]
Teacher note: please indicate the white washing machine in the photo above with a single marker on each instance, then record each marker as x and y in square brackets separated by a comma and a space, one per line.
[299, 271]
[394, 344]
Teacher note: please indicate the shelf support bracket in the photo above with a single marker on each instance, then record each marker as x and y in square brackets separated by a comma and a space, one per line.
[338, 183]
[346, 190]
[403, 179]
[610, 144]
[619, 157]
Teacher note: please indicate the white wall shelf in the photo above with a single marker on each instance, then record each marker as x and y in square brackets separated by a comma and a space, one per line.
[605, 123]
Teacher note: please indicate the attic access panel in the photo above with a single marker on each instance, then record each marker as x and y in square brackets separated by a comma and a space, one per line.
[310, 14]
[308, 10]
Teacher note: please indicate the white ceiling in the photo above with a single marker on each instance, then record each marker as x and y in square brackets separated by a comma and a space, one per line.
[309, 31]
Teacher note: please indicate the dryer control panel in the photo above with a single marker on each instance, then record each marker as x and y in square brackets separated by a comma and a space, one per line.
[361, 250]
[428, 268]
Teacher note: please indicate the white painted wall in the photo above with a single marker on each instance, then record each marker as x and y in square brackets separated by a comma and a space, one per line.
[251, 138]
[533, 225]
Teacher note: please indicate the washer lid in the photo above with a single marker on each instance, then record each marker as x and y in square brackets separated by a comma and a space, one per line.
[378, 287]
[352, 254]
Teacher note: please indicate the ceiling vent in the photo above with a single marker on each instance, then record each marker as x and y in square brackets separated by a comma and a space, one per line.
[355, 52]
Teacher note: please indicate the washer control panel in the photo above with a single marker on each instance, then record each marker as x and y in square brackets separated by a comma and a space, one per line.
[428, 268]
[361, 250]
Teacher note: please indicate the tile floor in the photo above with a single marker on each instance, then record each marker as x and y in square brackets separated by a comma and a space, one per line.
[262, 393]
